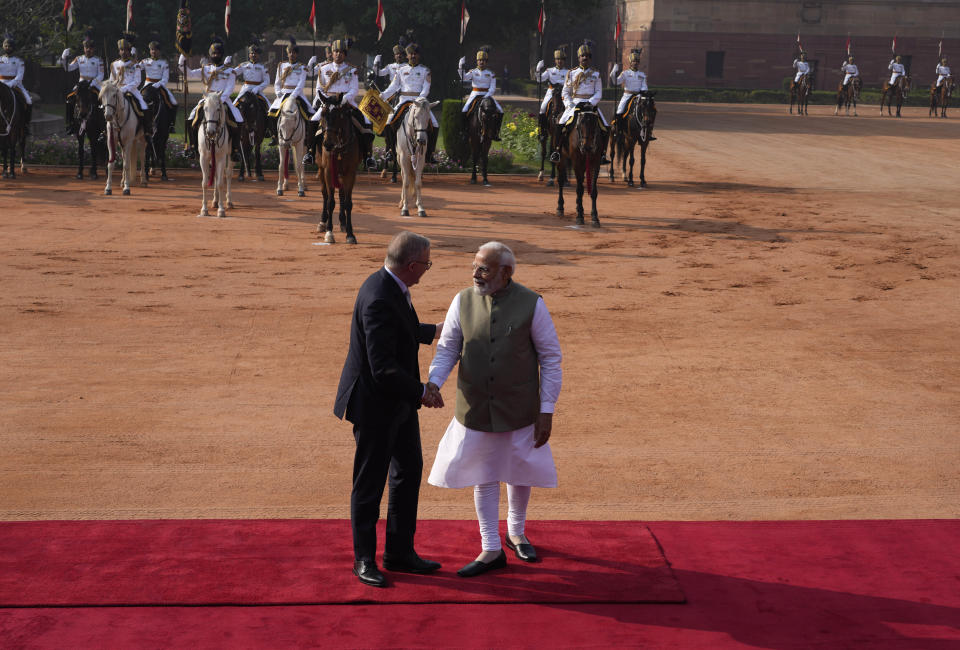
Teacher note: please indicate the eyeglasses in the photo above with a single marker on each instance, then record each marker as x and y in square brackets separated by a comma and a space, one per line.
[484, 270]
[427, 264]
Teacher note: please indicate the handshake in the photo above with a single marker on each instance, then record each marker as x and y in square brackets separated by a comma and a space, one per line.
[432, 397]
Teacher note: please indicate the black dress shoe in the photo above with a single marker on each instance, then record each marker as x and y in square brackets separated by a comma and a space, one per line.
[369, 574]
[476, 567]
[409, 563]
[525, 552]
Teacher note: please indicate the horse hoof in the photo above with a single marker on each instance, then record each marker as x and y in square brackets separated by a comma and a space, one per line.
[351, 239]
[94, 176]
[487, 184]
[550, 183]
[421, 213]
[221, 213]
[473, 181]
[393, 179]
[643, 183]
[126, 191]
[383, 174]
[579, 221]
[404, 213]
[329, 238]
[240, 178]
[559, 213]
[595, 223]
[279, 192]
[260, 178]
[230, 205]
[108, 192]
[540, 176]
[79, 177]
[301, 193]
[629, 183]
[204, 213]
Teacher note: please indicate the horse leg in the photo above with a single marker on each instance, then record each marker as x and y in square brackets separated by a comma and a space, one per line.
[594, 216]
[484, 159]
[282, 151]
[580, 188]
[473, 162]
[259, 164]
[561, 176]
[632, 160]
[80, 157]
[228, 177]
[329, 203]
[301, 171]
[418, 188]
[643, 163]
[405, 182]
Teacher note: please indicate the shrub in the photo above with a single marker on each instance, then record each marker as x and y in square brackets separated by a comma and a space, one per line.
[450, 131]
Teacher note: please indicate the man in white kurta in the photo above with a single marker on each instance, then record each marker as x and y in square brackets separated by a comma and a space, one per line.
[943, 71]
[896, 69]
[850, 70]
[390, 70]
[483, 84]
[90, 68]
[508, 382]
[582, 86]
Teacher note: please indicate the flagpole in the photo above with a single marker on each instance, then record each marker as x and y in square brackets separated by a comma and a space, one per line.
[542, 27]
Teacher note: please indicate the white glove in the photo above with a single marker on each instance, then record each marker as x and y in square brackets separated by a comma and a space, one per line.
[312, 62]
[616, 69]
[181, 61]
[66, 54]
[376, 61]
[228, 60]
[540, 65]
[462, 62]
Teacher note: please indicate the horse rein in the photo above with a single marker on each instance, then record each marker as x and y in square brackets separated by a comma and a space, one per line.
[286, 140]
[8, 119]
[581, 146]
[340, 145]
[219, 121]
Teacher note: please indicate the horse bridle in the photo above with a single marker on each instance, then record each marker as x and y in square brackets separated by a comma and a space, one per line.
[8, 119]
[412, 140]
[596, 134]
[280, 135]
[340, 144]
[219, 121]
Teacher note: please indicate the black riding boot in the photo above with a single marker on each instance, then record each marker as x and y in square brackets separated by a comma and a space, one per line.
[191, 139]
[390, 136]
[68, 117]
[366, 144]
[310, 142]
[432, 145]
[496, 129]
[29, 114]
[234, 132]
[603, 152]
[272, 129]
[561, 139]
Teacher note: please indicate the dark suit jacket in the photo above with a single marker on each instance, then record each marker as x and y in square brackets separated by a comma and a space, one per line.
[382, 371]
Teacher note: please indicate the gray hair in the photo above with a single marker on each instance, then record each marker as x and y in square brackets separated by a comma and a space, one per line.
[505, 256]
[406, 247]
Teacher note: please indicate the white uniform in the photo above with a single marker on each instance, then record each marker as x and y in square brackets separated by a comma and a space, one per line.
[943, 71]
[219, 79]
[289, 80]
[11, 73]
[470, 457]
[484, 85]
[582, 85]
[335, 79]
[254, 77]
[551, 76]
[897, 69]
[158, 75]
[126, 74]
[633, 82]
[850, 71]
[802, 68]
[90, 67]
[390, 70]
[410, 82]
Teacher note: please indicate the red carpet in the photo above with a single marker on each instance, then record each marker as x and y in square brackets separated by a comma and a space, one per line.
[807, 584]
[277, 562]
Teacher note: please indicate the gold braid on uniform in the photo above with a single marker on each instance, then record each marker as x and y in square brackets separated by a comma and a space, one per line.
[333, 79]
[284, 74]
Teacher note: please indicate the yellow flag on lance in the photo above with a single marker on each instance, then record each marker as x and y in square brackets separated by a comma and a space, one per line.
[375, 109]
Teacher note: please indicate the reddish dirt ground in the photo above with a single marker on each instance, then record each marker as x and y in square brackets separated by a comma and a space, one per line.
[768, 331]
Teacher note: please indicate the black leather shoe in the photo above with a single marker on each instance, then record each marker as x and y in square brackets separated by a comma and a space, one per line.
[476, 567]
[555, 157]
[369, 574]
[525, 552]
[409, 563]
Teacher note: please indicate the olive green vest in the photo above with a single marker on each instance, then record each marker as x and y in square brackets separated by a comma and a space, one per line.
[498, 384]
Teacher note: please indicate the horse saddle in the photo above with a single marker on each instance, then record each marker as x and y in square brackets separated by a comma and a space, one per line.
[134, 104]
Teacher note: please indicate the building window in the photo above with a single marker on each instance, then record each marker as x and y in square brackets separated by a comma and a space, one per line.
[714, 65]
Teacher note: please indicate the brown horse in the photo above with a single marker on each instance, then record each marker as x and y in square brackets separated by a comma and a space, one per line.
[847, 95]
[337, 167]
[13, 130]
[254, 127]
[585, 142]
[897, 92]
[800, 93]
[90, 126]
[638, 124]
[940, 97]
[549, 130]
[480, 128]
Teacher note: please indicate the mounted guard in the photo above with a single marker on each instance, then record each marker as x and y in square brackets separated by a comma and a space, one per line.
[12, 68]
[91, 70]
[896, 69]
[125, 72]
[484, 84]
[411, 82]
[399, 60]
[554, 77]
[217, 77]
[290, 80]
[943, 72]
[851, 73]
[582, 88]
[157, 72]
[634, 82]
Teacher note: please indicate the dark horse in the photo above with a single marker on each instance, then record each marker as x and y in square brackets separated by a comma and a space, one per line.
[800, 93]
[163, 117]
[898, 91]
[638, 124]
[252, 130]
[941, 97]
[847, 95]
[583, 150]
[481, 127]
[549, 130]
[13, 129]
[337, 167]
[90, 125]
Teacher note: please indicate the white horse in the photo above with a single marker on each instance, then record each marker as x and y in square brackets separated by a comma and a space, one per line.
[123, 128]
[291, 131]
[215, 161]
[412, 151]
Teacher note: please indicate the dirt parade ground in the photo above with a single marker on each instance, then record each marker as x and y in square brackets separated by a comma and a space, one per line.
[768, 331]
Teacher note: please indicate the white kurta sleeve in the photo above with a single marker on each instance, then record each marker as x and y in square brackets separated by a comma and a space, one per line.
[597, 91]
[545, 340]
[392, 88]
[299, 89]
[277, 86]
[425, 93]
[493, 86]
[567, 92]
[164, 76]
[449, 345]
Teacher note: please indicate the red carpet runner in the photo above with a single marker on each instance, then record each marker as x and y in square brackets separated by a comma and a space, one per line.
[277, 562]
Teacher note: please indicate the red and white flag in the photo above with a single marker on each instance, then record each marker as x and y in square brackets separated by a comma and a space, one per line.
[129, 14]
[893, 46]
[848, 45]
[68, 13]
[541, 21]
[464, 19]
[313, 18]
[226, 19]
[939, 49]
[616, 35]
[381, 20]
[799, 46]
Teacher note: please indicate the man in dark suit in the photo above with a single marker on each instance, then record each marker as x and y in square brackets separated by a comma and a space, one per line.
[380, 391]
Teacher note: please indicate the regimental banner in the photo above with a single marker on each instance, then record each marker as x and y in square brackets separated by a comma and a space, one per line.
[376, 110]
